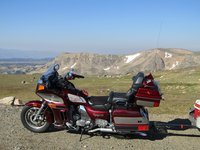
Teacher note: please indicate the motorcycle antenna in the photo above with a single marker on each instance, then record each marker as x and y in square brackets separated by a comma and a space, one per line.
[157, 42]
[159, 32]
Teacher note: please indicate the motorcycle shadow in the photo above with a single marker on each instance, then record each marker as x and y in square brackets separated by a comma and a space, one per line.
[52, 129]
[150, 136]
[155, 133]
[176, 124]
[161, 131]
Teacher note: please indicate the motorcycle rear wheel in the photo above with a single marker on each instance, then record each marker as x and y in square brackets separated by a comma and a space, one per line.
[27, 118]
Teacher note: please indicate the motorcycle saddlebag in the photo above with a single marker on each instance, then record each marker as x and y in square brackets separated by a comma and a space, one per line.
[131, 120]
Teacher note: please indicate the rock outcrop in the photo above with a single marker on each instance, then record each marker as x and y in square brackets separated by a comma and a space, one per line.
[11, 100]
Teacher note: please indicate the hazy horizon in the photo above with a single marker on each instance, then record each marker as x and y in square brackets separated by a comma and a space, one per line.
[107, 27]
[36, 54]
[16, 53]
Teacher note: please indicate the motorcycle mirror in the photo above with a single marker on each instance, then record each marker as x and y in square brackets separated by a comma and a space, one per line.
[56, 67]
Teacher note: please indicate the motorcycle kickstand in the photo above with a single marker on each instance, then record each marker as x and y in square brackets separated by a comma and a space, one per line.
[82, 130]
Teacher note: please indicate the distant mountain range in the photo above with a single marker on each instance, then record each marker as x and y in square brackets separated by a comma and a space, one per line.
[99, 64]
[12, 53]
[150, 60]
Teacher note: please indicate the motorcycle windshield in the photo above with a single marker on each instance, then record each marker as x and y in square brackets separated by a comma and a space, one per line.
[51, 71]
[53, 68]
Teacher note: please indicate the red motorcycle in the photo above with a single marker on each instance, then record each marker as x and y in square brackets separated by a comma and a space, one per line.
[63, 105]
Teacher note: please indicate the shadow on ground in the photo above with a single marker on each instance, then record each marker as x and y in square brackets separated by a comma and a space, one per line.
[158, 131]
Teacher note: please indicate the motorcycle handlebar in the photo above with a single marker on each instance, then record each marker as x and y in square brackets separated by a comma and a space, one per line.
[78, 76]
[73, 76]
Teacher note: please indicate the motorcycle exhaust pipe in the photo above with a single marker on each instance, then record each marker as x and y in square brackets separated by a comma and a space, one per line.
[107, 130]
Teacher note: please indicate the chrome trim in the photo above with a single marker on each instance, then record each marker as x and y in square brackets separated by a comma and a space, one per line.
[39, 111]
[101, 123]
[85, 119]
[141, 133]
[83, 112]
[108, 130]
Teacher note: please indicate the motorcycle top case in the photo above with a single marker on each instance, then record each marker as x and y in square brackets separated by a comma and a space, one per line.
[148, 97]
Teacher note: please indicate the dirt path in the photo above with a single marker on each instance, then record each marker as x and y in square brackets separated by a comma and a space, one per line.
[14, 136]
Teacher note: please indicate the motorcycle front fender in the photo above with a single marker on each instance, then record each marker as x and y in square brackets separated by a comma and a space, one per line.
[48, 113]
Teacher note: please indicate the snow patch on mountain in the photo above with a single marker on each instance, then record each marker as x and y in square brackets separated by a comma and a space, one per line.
[106, 69]
[130, 58]
[174, 65]
[64, 68]
[73, 65]
[168, 55]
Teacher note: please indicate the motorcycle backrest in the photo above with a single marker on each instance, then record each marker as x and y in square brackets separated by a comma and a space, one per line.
[138, 79]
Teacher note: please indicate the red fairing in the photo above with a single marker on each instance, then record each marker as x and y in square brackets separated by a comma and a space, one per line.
[94, 114]
[34, 103]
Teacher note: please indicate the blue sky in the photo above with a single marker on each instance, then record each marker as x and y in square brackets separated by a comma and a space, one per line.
[101, 26]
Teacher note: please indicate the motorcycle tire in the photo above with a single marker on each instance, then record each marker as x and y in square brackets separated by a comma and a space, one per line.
[27, 118]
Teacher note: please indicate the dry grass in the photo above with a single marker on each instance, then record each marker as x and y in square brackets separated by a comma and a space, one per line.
[181, 88]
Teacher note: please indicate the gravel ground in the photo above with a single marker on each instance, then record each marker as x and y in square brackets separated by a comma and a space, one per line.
[14, 136]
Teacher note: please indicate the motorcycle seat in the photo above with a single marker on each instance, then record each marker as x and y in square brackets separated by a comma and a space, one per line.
[117, 99]
[105, 107]
[98, 100]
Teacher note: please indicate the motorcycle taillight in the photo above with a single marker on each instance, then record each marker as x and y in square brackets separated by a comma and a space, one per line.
[143, 127]
[156, 104]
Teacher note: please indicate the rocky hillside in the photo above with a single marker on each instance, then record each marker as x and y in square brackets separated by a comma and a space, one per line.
[150, 60]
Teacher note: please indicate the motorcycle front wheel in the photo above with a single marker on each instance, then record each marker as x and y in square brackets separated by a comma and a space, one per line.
[33, 124]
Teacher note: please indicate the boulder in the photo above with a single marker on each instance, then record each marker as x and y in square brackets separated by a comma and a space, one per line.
[17, 102]
[7, 100]
[11, 100]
